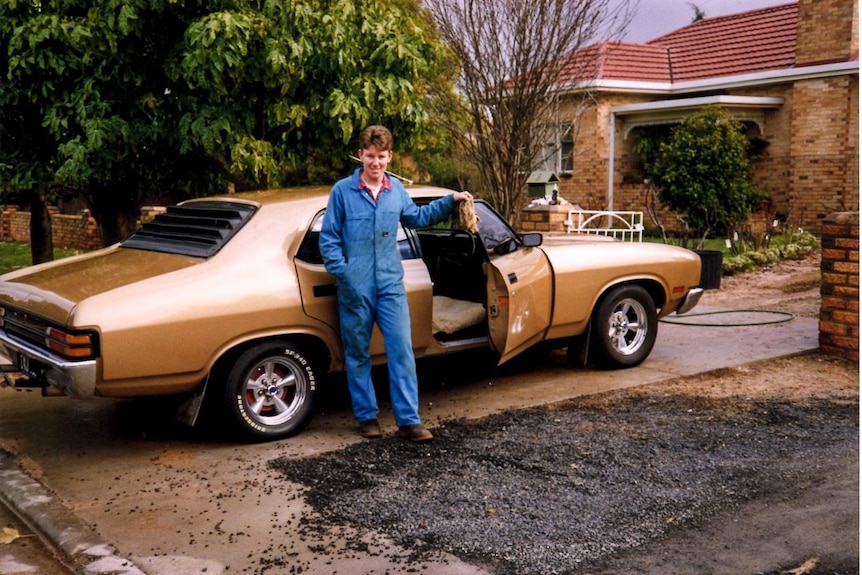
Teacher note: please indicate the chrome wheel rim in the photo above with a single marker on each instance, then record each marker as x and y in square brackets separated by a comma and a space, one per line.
[627, 326]
[274, 391]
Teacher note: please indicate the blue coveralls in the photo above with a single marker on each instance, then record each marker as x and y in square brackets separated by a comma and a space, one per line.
[358, 243]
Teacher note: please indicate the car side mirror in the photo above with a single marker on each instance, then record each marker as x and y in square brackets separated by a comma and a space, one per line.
[507, 246]
[532, 240]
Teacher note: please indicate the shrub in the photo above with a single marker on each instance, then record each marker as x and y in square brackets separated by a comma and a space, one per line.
[794, 245]
[702, 170]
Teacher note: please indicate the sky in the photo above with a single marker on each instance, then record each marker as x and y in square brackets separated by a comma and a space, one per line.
[655, 18]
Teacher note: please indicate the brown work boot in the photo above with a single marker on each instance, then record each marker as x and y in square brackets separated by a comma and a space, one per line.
[415, 433]
[370, 429]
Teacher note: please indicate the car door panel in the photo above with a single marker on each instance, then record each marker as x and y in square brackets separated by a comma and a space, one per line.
[318, 290]
[519, 301]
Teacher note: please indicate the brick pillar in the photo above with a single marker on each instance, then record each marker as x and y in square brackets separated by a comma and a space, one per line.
[545, 218]
[6, 222]
[92, 238]
[839, 289]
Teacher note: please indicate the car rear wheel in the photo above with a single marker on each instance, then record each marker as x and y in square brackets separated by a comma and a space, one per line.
[624, 327]
[270, 390]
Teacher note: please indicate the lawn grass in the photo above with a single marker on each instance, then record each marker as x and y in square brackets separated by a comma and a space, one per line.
[719, 244]
[16, 255]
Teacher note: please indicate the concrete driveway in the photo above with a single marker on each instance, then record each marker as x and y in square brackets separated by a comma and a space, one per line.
[117, 487]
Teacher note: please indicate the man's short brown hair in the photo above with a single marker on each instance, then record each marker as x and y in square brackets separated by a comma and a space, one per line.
[377, 136]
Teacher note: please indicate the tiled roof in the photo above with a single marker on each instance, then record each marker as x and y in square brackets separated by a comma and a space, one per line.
[620, 61]
[743, 43]
[749, 42]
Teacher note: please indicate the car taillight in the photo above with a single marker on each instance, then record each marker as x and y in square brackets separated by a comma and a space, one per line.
[71, 345]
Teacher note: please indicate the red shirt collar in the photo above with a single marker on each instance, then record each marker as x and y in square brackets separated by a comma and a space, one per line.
[387, 183]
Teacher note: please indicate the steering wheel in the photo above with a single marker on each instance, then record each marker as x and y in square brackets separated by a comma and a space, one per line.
[471, 241]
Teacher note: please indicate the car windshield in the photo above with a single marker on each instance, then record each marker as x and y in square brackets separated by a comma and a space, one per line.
[198, 229]
[493, 228]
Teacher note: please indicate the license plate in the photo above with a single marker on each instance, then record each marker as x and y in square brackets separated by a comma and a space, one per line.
[29, 366]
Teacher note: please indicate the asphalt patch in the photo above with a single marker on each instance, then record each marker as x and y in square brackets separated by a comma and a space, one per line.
[561, 488]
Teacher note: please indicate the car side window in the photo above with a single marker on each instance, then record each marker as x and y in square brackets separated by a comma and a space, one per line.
[309, 249]
[493, 229]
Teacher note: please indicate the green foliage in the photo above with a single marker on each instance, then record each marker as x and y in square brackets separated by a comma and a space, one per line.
[268, 88]
[117, 98]
[702, 171]
[795, 244]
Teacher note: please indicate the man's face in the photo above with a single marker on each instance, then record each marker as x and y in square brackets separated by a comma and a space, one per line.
[374, 162]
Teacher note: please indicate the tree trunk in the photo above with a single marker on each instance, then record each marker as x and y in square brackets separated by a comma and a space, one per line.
[116, 213]
[41, 230]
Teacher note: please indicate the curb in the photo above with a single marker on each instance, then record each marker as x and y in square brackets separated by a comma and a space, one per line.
[78, 547]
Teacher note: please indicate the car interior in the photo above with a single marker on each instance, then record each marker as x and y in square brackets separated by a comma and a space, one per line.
[455, 259]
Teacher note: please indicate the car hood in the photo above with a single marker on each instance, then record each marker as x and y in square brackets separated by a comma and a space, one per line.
[624, 257]
[52, 290]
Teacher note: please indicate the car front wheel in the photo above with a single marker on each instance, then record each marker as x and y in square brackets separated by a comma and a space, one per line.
[624, 327]
[270, 391]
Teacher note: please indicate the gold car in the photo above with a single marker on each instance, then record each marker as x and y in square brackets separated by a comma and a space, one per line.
[227, 297]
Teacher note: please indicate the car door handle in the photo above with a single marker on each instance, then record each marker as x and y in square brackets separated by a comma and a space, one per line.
[324, 290]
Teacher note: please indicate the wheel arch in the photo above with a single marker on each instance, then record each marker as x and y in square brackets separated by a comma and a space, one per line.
[583, 348]
[313, 346]
[653, 287]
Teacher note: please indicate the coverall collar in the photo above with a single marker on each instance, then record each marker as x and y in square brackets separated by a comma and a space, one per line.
[363, 185]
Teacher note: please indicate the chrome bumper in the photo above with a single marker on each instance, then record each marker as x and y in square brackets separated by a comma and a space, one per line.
[74, 378]
[690, 300]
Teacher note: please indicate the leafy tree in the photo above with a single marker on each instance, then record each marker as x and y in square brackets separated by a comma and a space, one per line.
[268, 89]
[703, 171]
[31, 182]
[512, 57]
[78, 84]
[127, 98]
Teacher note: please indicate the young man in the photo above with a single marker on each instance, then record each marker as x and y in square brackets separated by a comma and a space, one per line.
[358, 244]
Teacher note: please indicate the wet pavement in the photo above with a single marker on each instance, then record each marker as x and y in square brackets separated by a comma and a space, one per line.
[116, 486]
[22, 551]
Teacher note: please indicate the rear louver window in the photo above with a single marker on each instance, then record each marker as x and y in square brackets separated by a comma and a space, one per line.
[197, 229]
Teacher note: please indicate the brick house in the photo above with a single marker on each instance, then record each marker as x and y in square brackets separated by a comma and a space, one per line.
[789, 72]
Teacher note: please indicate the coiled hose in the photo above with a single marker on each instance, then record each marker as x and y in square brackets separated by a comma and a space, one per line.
[783, 317]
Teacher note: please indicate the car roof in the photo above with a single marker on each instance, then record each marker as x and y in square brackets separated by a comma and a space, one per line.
[280, 195]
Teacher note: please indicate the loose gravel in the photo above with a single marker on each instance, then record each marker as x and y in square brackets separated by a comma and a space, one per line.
[560, 488]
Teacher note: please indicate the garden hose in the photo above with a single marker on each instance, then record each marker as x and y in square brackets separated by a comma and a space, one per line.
[783, 317]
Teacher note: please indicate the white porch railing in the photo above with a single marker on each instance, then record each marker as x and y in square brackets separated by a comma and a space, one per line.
[625, 226]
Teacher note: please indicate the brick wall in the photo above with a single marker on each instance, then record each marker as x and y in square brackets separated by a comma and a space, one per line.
[78, 231]
[828, 31]
[839, 290]
[824, 163]
[14, 224]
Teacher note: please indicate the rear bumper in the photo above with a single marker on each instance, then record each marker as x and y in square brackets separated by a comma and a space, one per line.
[74, 378]
[691, 298]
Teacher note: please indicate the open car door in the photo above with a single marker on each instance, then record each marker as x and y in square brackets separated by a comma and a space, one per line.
[520, 292]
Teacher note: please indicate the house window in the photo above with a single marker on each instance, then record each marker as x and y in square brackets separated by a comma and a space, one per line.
[567, 149]
[557, 153]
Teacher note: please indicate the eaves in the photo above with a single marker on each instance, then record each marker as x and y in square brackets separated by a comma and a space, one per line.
[766, 78]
